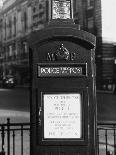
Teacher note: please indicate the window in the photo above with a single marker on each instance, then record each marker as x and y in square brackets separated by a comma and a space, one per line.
[5, 29]
[1, 22]
[90, 3]
[34, 9]
[47, 11]
[75, 6]
[90, 23]
[10, 27]
[14, 26]
[10, 50]
[25, 21]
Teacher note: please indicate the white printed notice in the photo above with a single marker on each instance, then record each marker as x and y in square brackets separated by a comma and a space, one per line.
[62, 116]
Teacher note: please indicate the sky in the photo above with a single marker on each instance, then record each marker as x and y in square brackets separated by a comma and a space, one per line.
[109, 20]
[0, 2]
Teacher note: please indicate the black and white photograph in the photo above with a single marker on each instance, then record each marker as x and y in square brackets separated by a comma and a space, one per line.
[57, 77]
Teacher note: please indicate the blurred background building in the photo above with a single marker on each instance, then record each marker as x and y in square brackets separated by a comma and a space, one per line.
[19, 18]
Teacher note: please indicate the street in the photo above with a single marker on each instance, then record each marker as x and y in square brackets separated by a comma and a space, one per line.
[14, 99]
[14, 104]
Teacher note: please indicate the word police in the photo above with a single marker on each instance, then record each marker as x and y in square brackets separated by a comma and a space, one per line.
[59, 71]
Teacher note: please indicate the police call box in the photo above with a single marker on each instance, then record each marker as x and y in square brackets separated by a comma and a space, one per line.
[62, 94]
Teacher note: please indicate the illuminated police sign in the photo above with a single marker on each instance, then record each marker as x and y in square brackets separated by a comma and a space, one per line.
[61, 9]
[60, 71]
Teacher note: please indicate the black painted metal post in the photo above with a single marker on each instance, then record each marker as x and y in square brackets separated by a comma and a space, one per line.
[3, 135]
[30, 93]
[106, 141]
[8, 136]
[13, 142]
[21, 139]
[114, 141]
[98, 141]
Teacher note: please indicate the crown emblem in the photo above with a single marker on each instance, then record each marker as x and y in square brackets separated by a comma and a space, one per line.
[62, 53]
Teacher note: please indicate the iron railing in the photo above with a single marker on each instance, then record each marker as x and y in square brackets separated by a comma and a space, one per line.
[15, 138]
[106, 138]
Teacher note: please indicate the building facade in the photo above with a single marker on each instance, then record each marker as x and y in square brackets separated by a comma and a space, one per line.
[16, 24]
[18, 18]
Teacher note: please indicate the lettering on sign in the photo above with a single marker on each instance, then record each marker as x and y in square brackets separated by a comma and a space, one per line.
[57, 71]
[62, 116]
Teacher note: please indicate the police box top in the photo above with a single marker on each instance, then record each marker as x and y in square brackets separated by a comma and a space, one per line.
[65, 30]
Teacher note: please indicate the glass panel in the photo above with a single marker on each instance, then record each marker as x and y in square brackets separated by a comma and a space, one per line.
[61, 9]
[62, 115]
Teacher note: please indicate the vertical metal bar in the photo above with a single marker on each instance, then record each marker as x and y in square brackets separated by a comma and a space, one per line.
[106, 141]
[30, 94]
[3, 135]
[21, 139]
[98, 141]
[114, 141]
[13, 142]
[8, 136]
